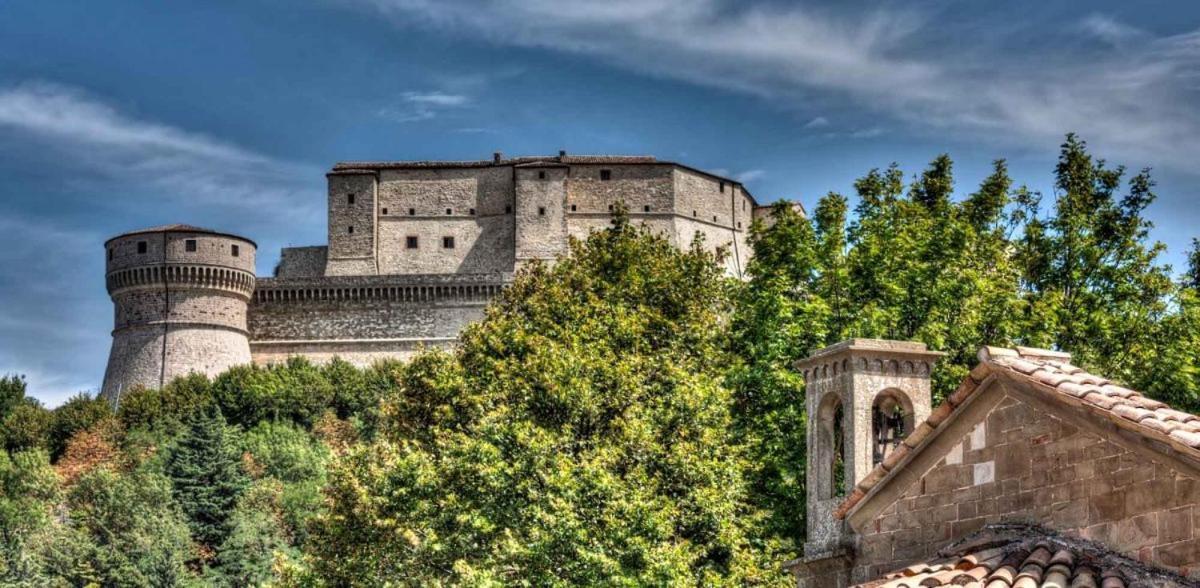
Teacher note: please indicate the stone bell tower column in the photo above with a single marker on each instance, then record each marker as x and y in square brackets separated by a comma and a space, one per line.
[863, 396]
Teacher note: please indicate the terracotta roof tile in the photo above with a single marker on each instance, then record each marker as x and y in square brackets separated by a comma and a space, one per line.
[1050, 372]
[1026, 556]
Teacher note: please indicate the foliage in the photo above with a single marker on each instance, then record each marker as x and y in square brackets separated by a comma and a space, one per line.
[206, 476]
[124, 530]
[991, 268]
[579, 436]
[256, 536]
[76, 414]
[28, 488]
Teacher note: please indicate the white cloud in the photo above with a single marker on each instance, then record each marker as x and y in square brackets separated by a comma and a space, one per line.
[184, 165]
[436, 99]
[751, 175]
[817, 123]
[419, 106]
[1135, 101]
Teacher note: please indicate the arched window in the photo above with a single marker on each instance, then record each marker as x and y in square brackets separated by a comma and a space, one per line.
[831, 448]
[891, 422]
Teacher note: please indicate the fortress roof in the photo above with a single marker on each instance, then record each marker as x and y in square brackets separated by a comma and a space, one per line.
[359, 167]
[179, 228]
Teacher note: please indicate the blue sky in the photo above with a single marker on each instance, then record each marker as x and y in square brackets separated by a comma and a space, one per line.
[116, 115]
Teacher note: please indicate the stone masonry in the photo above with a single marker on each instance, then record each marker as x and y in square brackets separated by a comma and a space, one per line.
[415, 251]
[1027, 441]
[180, 297]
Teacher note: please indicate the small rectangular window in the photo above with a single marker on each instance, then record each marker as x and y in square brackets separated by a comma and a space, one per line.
[410, 242]
[189, 245]
[235, 250]
[572, 208]
[385, 211]
[739, 224]
[610, 208]
[605, 175]
[350, 230]
[350, 198]
[541, 175]
[447, 242]
[646, 208]
[472, 212]
[714, 219]
[449, 212]
[412, 212]
[694, 214]
[141, 246]
[110, 254]
[541, 211]
[508, 209]
[722, 187]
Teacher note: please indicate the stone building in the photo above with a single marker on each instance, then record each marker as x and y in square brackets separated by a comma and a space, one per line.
[1032, 473]
[415, 251]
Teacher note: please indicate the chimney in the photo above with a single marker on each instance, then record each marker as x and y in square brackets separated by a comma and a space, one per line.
[497, 156]
[562, 154]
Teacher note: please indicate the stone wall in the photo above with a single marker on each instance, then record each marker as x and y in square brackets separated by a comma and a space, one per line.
[1022, 464]
[179, 299]
[351, 227]
[541, 222]
[302, 262]
[364, 318]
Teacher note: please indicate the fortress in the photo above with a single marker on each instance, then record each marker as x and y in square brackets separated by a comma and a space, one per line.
[415, 251]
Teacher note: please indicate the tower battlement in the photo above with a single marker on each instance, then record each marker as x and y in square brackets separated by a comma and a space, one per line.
[180, 295]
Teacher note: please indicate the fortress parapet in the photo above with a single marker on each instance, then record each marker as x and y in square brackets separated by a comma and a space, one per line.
[180, 295]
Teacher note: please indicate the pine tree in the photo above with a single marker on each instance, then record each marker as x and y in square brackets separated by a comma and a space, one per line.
[206, 476]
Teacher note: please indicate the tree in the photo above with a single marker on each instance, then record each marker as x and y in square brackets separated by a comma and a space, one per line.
[593, 445]
[28, 489]
[256, 537]
[26, 426]
[206, 476]
[76, 414]
[124, 530]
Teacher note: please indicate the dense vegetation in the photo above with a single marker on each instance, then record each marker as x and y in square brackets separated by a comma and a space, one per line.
[627, 416]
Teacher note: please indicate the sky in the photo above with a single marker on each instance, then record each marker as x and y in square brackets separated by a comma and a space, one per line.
[117, 115]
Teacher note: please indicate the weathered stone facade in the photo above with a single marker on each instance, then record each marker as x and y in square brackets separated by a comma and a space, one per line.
[1027, 441]
[180, 296]
[415, 251]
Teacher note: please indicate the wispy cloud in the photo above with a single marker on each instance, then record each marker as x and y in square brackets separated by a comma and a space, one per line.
[750, 175]
[185, 165]
[419, 106]
[56, 320]
[817, 123]
[1133, 100]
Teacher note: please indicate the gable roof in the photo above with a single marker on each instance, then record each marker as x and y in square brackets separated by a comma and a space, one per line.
[1025, 556]
[1050, 374]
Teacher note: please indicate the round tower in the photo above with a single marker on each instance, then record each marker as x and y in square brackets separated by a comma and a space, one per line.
[180, 295]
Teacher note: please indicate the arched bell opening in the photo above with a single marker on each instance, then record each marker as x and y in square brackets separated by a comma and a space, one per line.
[891, 422]
[831, 447]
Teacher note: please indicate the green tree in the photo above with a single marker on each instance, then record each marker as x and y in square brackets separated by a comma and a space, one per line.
[256, 537]
[123, 530]
[595, 447]
[206, 476]
[295, 459]
[26, 426]
[28, 491]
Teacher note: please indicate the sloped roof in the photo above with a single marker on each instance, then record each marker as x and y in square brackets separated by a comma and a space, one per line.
[369, 167]
[1025, 556]
[179, 228]
[1050, 373]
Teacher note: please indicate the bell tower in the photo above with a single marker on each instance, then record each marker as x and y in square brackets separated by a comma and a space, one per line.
[863, 397]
